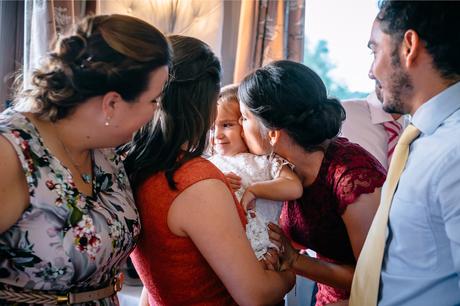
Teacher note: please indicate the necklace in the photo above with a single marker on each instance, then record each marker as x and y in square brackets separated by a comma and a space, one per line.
[86, 177]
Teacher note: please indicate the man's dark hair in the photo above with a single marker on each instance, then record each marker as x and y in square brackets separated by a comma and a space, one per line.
[436, 22]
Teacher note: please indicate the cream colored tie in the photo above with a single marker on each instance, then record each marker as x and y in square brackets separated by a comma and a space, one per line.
[365, 287]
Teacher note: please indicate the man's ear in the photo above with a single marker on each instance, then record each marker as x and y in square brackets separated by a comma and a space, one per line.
[274, 137]
[411, 48]
[109, 104]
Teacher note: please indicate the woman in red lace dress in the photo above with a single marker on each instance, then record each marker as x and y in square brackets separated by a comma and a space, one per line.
[285, 109]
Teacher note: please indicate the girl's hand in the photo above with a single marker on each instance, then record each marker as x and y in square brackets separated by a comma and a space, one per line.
[234, 180]
[248, 200]
[287, 253]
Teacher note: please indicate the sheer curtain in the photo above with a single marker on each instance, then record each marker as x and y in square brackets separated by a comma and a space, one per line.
[44, 21]
[269, 30]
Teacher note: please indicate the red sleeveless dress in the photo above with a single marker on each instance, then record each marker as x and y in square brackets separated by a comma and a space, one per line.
[171, 267]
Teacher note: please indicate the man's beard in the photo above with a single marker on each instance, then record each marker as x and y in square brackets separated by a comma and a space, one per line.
[400, 83]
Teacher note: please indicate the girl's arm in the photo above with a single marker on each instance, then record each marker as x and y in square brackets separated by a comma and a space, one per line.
[206, 212]
[357, 218]
[287, 186]
[14, 195]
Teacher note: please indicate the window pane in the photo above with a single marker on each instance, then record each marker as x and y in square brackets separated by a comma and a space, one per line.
[337, 32]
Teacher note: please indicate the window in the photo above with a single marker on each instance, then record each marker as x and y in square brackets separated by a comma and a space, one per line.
[336, 34]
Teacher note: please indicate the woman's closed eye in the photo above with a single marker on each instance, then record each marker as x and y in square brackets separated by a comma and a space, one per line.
[157, 100]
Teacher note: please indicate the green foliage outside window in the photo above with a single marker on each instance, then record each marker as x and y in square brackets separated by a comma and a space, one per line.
[318, 59]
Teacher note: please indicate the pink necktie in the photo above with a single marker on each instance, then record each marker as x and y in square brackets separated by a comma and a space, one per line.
[393, 129]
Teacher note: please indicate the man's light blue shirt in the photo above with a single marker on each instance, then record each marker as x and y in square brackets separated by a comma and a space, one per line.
[421, 264]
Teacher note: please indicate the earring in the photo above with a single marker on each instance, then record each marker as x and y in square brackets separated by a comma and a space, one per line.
[107, 121]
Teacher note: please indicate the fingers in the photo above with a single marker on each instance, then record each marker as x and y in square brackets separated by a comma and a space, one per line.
[272, 260]
[275, 228]
[234, 180]
[248, 200]
[275, 238]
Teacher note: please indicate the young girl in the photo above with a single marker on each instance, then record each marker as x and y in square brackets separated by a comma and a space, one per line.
[267, 178]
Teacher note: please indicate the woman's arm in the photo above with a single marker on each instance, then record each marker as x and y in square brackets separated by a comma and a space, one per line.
[287, 186]
[357, 218]
[144, 300]
[14, 196]
[206, 213]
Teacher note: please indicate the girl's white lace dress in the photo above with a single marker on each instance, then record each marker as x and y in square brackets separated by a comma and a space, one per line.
[255, 168]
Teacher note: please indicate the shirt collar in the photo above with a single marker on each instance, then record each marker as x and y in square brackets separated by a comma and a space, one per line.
[433, 112]
[378, 115]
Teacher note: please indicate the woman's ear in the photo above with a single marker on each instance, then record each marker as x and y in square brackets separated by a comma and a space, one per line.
[109, 104]
[274, 137]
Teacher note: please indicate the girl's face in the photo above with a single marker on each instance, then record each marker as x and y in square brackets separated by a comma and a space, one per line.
[227, 139]
[256, 143]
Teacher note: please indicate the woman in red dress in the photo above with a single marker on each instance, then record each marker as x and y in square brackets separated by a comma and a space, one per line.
[193, 248]
[285, 109]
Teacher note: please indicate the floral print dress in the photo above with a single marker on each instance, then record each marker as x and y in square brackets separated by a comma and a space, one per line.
[66, 240]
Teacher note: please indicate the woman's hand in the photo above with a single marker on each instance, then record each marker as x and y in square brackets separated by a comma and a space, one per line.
[287, 253]
[272, 260]
[234, 180]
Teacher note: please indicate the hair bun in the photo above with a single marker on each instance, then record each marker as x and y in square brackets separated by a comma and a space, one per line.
[71, 48]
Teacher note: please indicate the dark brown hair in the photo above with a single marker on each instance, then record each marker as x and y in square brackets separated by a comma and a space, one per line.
[290, 96]
[103, 53]
[436, 23]
[179, 130]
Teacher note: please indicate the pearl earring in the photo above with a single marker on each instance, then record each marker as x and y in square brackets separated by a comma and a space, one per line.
[107, 121]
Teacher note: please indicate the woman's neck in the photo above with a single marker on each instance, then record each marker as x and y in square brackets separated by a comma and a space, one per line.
[307, 164]
[67, 132]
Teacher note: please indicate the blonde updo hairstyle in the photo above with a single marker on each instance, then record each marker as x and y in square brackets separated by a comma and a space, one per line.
[104, 53]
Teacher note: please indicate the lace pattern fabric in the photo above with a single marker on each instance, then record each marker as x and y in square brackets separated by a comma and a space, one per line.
[254, 168]
[315, 220]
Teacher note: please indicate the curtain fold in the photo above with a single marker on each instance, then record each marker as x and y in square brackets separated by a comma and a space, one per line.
[44, 22]
[269, 30]
[11, 37]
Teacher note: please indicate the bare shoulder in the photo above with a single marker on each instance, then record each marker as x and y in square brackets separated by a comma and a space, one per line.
[205, 201]
[14, 197]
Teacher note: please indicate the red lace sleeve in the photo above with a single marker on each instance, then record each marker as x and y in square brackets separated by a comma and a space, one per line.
[356, 182]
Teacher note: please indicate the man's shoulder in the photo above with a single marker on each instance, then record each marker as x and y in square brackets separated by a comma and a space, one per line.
[356, 109]
[356, 105]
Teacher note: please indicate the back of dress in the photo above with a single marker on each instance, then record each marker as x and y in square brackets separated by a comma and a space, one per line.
[171, 267]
